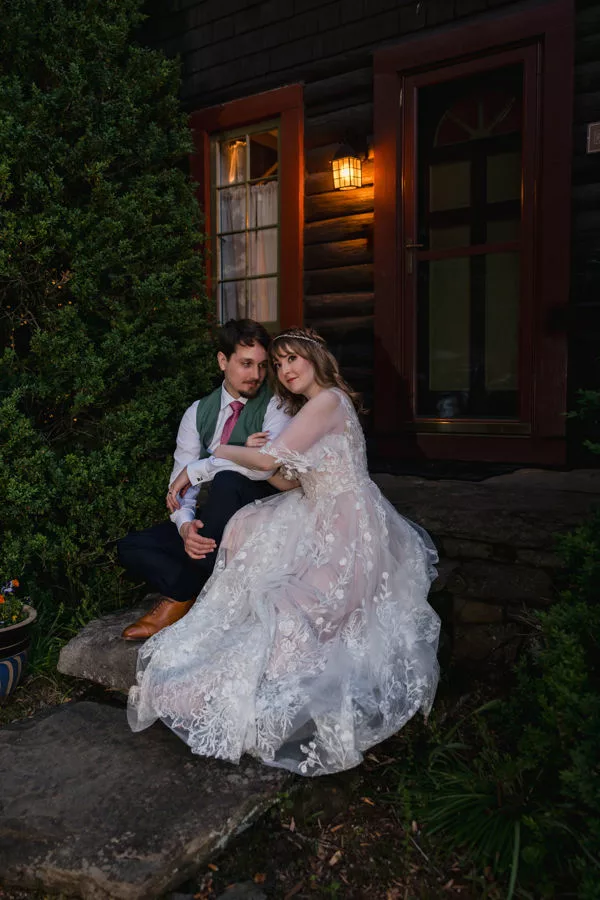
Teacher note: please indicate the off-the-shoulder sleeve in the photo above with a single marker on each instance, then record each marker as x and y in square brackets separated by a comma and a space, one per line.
[321, 416]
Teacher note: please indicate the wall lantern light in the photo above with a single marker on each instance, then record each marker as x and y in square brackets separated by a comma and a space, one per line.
[347, 169]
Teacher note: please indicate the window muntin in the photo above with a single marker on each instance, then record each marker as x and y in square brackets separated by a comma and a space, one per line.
[247, 216]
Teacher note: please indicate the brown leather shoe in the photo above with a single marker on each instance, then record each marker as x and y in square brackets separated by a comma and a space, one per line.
[164, 613]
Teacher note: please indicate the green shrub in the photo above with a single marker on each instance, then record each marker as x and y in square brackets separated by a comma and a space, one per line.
[515, 785]
[588, 412]
[104, 312]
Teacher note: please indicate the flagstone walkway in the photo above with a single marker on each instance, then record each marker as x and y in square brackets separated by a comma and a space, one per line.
[92, 810]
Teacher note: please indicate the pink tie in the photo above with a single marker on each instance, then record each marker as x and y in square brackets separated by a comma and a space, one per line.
[236, 408]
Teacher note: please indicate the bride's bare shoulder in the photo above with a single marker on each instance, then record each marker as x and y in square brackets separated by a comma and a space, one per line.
[326, 400]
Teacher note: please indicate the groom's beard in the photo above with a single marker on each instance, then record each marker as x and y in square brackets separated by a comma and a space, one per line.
[250, 390]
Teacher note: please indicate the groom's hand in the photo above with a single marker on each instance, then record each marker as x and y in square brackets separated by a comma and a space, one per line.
[195, 544]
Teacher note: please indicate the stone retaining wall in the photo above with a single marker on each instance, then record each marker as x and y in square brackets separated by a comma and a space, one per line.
[498, 561]
[497, 541]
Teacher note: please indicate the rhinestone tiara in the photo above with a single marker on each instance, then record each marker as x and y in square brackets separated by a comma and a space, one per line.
[298, 337]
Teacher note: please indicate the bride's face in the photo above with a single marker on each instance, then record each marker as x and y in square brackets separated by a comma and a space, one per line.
[295, 373]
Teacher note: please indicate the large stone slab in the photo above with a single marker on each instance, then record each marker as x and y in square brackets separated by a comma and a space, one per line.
[585, 480]
[519, 514]
[100, 654]
[89, 809]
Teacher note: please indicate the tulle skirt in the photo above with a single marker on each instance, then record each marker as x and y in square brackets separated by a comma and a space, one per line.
[312, 641]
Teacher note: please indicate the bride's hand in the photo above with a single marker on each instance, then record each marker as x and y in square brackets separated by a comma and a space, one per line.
[258, 439]
[178, 488]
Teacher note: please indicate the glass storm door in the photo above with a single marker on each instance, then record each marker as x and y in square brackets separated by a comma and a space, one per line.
[469, 162]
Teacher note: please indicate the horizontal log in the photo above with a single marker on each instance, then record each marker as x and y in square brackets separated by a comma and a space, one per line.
[362, 384]
[587, 77]
[587, 107]
[585, 169]
[342, 86]
[317, 306]
[587, 49]
[333, 127]
[588, 221]
[339, 203]
[355, 98]
[319, 158]
[355, 373]
[586, 196]
[355, 354]
[343, 326]
[343, 229]
[350, 279]
[588, 20]
[321, 182]
[338, 253]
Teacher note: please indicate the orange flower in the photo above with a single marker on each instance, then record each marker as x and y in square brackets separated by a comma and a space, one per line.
[1, 598]
[16, 582]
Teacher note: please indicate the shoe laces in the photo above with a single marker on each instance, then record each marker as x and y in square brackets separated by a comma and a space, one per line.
[160, 604]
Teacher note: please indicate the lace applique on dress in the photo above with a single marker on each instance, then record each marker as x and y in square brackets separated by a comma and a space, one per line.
[313, 640]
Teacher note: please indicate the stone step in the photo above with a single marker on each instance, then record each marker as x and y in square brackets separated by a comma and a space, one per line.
[99, 653]
[91, 810]
[518, 511]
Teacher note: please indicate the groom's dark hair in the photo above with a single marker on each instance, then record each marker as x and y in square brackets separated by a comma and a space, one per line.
[241, 331]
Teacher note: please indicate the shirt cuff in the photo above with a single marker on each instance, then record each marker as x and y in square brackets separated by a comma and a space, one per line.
[197, 471]
[180, 517]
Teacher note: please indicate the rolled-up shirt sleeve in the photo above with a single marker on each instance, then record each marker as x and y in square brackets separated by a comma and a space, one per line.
[187, 449]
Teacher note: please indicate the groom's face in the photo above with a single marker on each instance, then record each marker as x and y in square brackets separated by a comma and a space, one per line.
[245, 370]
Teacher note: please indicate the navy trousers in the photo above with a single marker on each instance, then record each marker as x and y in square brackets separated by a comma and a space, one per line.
[157, 556]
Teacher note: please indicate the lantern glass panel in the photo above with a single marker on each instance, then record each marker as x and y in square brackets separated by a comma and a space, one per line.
[347, 173]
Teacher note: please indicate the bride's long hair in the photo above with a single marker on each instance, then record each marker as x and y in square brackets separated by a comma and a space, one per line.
[305, 342]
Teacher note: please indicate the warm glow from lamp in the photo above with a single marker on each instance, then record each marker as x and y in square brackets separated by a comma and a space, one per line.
[347, 169]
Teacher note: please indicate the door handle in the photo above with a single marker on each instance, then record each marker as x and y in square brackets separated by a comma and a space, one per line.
[410, 245]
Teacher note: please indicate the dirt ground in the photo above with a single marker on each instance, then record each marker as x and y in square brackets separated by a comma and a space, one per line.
[341, 837]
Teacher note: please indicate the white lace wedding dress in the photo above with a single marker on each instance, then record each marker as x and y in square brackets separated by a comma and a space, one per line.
[313, 640]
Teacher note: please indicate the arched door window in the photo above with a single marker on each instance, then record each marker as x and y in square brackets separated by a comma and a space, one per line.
[469, 208]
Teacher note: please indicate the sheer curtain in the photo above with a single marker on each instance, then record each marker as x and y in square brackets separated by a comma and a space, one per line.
[263, 251]
[232, 217]
[254, 253]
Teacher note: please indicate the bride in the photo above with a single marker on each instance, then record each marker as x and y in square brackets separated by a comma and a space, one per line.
[313, 640]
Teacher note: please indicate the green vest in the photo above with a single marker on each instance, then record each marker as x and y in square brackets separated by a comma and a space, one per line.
[251, 418]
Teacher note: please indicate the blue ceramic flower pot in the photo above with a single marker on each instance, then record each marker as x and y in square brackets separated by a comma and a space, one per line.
[14, 651]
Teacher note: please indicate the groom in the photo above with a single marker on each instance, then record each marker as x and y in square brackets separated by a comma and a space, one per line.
[178, 557]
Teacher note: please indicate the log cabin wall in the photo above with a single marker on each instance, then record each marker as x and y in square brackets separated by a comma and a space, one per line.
[235, 48]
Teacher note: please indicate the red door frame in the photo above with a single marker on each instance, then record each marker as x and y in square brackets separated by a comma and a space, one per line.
[287, 104]
[547, 31]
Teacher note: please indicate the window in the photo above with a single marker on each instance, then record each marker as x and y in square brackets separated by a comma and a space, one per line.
[248, 163]
[246, 203]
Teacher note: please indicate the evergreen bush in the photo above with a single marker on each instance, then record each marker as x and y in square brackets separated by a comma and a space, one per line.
[104, 313]
[515, 784]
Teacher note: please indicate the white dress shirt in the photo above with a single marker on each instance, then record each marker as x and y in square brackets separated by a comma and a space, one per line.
[188, 449]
